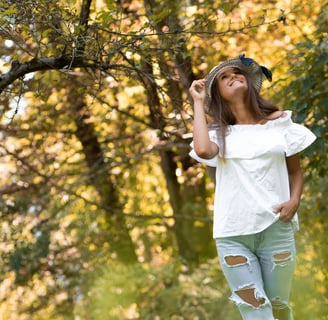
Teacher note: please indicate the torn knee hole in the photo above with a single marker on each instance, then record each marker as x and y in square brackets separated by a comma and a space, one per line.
[249, 296]
[280, 309]
[235, 260]
[282, 258]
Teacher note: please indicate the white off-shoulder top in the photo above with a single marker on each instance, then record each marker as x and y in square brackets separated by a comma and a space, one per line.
[254, 177]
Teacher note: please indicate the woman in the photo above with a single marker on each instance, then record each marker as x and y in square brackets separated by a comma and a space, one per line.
[254, 148]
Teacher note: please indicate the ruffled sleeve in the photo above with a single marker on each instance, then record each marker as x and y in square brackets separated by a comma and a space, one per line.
[297, 138]
[209, 162]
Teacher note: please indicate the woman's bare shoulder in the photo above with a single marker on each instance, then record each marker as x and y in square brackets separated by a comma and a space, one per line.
[276, 115]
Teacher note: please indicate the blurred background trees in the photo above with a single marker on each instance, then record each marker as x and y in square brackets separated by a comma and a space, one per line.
[103, 213]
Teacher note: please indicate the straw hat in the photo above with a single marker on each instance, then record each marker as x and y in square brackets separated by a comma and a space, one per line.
[254, 71]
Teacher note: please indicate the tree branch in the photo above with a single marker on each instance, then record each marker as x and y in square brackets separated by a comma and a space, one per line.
[18, 70]
[68, 62]
[84, 21]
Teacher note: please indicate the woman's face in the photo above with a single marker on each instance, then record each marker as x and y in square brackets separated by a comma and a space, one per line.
[231, 83]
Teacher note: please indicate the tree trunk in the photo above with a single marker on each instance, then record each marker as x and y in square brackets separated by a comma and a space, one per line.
[193, 230]
[193, 236]
[118, 234]
[193, 227]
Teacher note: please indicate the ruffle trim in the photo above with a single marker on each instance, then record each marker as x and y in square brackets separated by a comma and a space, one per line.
[278, 136]
[297, 138]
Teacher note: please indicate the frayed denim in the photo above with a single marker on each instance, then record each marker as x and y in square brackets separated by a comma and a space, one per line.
[262, 265]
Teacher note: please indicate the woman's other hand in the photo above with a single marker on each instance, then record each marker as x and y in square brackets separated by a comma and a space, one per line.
[287, 210]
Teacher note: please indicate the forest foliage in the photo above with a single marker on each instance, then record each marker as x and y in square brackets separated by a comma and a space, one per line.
[103, 214]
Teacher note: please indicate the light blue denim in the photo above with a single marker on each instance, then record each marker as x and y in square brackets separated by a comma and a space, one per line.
[269, 274]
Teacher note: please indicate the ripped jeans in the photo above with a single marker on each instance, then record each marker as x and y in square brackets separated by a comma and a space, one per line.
[259, 269]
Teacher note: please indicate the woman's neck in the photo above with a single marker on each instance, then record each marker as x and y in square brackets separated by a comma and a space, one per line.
[243, 114]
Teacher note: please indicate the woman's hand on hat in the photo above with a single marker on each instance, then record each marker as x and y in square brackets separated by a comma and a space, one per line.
[198, 90]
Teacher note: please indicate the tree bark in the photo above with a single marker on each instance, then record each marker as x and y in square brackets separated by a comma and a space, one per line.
[118, 233]
[192, 235]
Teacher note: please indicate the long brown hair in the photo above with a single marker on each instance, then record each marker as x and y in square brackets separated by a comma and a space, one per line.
[222, 115]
